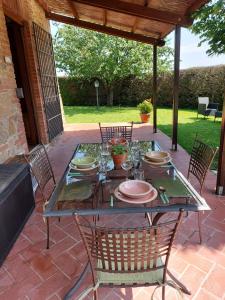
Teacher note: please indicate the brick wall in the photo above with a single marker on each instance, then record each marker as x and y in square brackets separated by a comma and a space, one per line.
[12, 133]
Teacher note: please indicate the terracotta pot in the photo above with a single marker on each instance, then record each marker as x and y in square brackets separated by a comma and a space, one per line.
[145, 118]
[119, 159]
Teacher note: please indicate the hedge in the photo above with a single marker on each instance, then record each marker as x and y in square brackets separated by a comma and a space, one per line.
[194, 82]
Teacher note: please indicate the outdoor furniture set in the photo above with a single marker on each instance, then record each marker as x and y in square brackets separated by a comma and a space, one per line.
[208, 109]
[147, 184]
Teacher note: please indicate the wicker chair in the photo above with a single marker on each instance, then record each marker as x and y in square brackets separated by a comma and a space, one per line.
[73, 194]
[42, 171]
[128, 257]
[201, 159]
[108, 132]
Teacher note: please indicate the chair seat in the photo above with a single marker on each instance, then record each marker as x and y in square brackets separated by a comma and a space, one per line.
[148, 277]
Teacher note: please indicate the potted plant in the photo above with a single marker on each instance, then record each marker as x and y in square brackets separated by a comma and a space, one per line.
[119, 154]
[145, 109]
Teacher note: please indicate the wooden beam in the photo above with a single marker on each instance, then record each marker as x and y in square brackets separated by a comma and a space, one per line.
[43, 5]
[154, 87]
[73, 9]
[105, 17]
[220, 185]
[105, 29]
[176, 86]
[196, 5]
[11, 14]
[139, 11]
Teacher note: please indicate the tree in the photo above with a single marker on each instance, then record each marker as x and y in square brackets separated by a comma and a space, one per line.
[210, 26]
[89, 55]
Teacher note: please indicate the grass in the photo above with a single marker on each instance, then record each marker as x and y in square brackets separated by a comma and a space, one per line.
[189, 125]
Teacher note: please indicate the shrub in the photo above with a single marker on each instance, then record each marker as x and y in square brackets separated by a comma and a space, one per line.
[194, 82]
[145, 107]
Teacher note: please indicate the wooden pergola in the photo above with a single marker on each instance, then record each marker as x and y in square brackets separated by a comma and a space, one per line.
[147, 21]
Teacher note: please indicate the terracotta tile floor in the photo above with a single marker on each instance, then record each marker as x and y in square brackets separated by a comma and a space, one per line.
[32, 272]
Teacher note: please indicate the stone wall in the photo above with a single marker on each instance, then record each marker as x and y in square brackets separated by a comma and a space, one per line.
[12, 133]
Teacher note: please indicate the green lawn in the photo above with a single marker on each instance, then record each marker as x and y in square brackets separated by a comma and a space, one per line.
[189, 125]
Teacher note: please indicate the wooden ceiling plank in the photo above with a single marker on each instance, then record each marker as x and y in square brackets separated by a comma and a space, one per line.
[105, 29]
[139, 11]
[135, 25]
[196, 5]
[105, 17]
[136, 19]
[73, 9]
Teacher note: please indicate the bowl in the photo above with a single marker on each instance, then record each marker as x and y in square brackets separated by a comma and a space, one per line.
[83, 162]
[157, 156]
[135, 188]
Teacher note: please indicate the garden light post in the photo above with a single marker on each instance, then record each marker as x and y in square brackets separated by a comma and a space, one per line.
[96, 83]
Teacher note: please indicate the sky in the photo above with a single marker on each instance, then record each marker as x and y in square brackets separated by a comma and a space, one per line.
[191, 54]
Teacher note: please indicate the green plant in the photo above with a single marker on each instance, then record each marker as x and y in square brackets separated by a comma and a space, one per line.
[119, 149]
[145, 107]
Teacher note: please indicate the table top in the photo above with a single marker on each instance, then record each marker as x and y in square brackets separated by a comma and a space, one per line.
[179, 191]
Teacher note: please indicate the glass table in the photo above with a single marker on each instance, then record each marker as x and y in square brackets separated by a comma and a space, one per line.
[180, 193]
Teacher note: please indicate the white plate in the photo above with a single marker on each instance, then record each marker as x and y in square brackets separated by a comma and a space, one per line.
[152, 195]
[166, 161]
[95, 166]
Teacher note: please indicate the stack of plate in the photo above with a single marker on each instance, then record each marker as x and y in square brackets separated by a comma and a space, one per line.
[86, 163]
[157, 158]
[135, 191]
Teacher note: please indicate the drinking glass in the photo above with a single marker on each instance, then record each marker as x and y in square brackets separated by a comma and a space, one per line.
[127, 165]
[139, 174]
[103, 170]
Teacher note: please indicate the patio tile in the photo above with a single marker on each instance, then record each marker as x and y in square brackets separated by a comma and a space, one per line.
[215, 225]
[34, 249]
[33, 233]
[20, 288]
[203, 295]
[60, 247]
[70, 266]
[21, 244]
[49, 287]
[215, 281]
[193, 278]
[213, 255]
[57, 234]
[78, 252]
[72, 230]
[217, 241]
[191, 257]
[43, 266]
[22, 270]
[6, 280]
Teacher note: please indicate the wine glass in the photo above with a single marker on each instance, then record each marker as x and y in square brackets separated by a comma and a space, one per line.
[127, 165]
[103, 170]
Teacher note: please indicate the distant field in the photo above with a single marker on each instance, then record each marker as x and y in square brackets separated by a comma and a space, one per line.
[189, 125]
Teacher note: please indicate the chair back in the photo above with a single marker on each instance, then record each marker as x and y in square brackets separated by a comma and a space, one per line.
[108, 132]
[128, 250]
[40, 166]
[203, 100]
[202, 156]
[213, 106]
